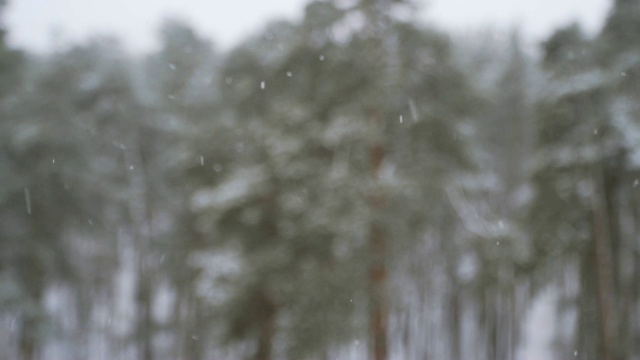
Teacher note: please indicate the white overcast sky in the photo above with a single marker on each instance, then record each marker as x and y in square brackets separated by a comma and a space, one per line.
[31, 23]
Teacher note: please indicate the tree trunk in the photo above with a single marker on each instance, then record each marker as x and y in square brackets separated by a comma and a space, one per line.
[375, 12]
[32, 272]
[268, 307]
[455, 322]
[194, 331]
[145, 322]
[28, 341]
[378, 270]
[141, 219]
[266, 331]
[379, 303]
[604, 270]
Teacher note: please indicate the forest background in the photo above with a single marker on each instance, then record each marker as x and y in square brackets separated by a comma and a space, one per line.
[352, 185]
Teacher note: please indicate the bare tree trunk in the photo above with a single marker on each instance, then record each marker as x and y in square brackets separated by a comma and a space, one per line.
[266, 332]
[141, 218]
[28, 341]
[378, 274]
[145, 323]
[33, 276]
[604, 270]
[455, 321]
[268, 307]
[194, 333]
[379, 312]
[633, 289]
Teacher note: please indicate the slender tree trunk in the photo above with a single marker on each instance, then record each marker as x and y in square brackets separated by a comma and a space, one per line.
[195, 332]
[32, 272]
[588, 326]
[28, 341]
[453, 295]
[604, 270]
[266, 332]
[268, 307]
[186, 321]
[379, 311]
[512, 323]
[145, 325]
[455, 321]
[379, 303]
[634, 286]
[376, 12]
[491, 326]
[141, 218]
